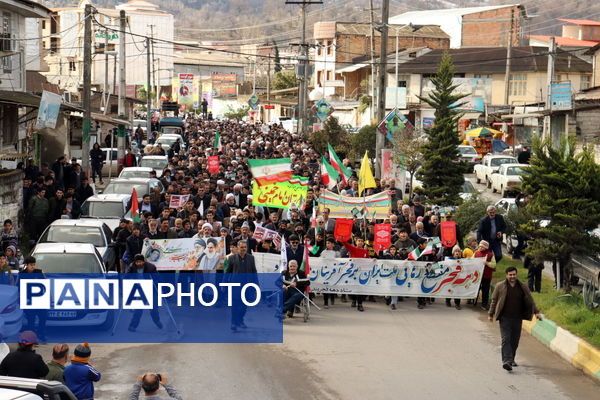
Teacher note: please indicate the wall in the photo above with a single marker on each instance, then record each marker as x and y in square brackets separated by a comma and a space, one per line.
[11, 196]
[490, 28]
[14, 80]
[596, 64]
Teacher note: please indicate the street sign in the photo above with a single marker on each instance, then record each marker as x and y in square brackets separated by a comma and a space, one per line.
[393, 123]
[109, 36]
[561, 96]
[322, 109]
[253, 102]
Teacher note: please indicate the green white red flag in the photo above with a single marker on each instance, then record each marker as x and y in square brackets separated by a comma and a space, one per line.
[267, 172]
[329, 175]
[217, 143]
[337, 164]
[135, 211]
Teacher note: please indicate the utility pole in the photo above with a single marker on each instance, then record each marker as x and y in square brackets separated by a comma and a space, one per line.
[148, 98]
[549, 79]
[105, 94]
[122, 83]
[373, 66]
[303, 61]
[153, 76]
[87, 87]
[268, 112]
[382, 75]
[508, 55]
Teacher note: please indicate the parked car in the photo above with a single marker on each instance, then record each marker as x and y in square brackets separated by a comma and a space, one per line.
[158, 163]
[141, 123]
[167, 140]
[490, 164]
[85, 230]
[72, 258]
[507, 177]
[13, 388]
[11, 316]
[469, 155]
[136, 172]
[468, 190]
[125, 186]
[108, 208]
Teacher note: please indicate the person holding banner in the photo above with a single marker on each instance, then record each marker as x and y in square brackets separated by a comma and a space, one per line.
[357, 251]
[456, 255]
[393, 254]
[329, 253]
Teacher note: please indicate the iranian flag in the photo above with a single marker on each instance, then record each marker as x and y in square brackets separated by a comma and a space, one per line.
[329, 175]
[337, 164]
[217, 144]
[135, 211]
[416, 253]
[305, 260]
[267, 172]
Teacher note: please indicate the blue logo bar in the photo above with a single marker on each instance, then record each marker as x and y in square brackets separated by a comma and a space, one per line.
[143, 308]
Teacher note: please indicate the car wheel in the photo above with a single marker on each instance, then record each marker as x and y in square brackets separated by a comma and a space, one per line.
[478, 180]
[489, 183]
[493, 189]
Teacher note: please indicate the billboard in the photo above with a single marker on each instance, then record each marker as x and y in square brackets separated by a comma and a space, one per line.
[186, 89]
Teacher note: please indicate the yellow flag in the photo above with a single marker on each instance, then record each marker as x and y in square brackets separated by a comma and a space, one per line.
[365, 176]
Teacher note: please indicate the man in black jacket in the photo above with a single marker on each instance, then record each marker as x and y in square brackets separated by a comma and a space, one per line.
[135, 241]
[141, 266]
[295, 283]
[24, 362]
[241, 263]
[491, 228]
[96, 160]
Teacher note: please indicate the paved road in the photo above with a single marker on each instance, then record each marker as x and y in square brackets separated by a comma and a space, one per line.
[486, 193]
[344, 354]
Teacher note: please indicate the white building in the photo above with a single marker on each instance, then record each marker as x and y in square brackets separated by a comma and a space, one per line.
[19, 45]
[65, 44]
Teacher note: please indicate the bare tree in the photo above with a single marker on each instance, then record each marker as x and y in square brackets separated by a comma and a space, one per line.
[407, 149]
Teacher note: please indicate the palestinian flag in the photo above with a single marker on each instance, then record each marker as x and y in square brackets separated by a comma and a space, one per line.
[312, 249]
[336, 163]
[267, 172]
[416, 253]
[135, 211]
[305, 261]
[217, 144]
[329, 175]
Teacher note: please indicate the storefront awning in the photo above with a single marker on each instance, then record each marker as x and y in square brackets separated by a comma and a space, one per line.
[521, 116]
[26, 99]
[109, 120]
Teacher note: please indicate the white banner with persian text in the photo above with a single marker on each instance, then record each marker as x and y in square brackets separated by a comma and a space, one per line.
[449, 278]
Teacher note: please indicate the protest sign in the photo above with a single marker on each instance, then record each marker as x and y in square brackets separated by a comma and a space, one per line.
[281, 194]
[178, 200]
[375, 206]
[450, 278]
[383, 237]
[213, 164]
[204, 254]
[343, 229]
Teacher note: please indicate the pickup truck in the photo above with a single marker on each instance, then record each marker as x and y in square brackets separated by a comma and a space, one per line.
[507, 177]
[490, 164]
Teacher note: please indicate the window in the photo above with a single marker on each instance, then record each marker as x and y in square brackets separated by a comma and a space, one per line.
[482, 76]
[320, 78]
[5, 42]
[319, 49]
[586, 82]
[43, 24]
[403, 80]
[72, 66]
[329, 47]
[517, 84]
[8, 124]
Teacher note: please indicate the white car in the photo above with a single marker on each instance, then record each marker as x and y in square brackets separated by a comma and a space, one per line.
[158, 163]
[469, 155]
[11, 316]
[108, 208]
[13, 388]
[125, 186]
[110, 161]
[168, 139]
[490, 164]
[72, 258]
[507, 177]
[136, 172]
[84, 230]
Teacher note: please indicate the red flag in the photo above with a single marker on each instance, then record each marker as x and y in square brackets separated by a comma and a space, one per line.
[383, 237]
[213, 164]
[343, 229]
[448, 233]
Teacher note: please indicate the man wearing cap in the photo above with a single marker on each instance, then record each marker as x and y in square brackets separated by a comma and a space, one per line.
[483, 250]
[24, 362]
[56, 366]
[80, 375]
[491, 228]
[241, 199]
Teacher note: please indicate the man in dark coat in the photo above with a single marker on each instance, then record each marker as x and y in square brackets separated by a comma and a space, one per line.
[135, 241]
[241, 263]
[24, 362]
[84, 191]
[141, 266]
[491, 228]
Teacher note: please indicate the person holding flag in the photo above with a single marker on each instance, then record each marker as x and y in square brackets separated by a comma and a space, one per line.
[217, 143]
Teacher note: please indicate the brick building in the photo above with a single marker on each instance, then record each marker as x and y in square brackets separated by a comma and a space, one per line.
[473, 26]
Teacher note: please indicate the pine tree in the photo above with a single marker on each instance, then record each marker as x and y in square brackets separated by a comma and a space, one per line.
[564, 190]
[277, 59]
[441, 175]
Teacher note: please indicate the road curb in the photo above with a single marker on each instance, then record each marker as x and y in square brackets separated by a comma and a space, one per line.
[575, 350]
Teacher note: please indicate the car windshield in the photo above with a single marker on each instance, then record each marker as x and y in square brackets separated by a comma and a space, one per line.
[467, 150]
[514, 171]
[499, 161]
[74, 234]
[125, 188]
[164, 140]
[153, 163]
[65, 263]
[468, 187]
[133, 174]
[99, 209]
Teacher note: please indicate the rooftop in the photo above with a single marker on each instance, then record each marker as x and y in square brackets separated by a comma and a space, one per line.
[585, 22]
[449, 12]
[492, 60]
[565, 41]
[402, 30]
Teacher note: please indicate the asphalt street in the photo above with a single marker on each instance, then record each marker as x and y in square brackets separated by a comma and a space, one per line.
[340, 353]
